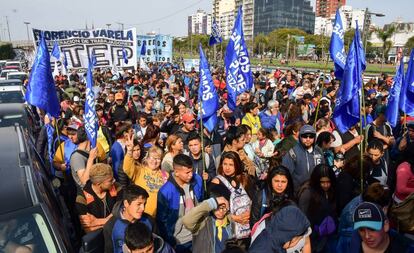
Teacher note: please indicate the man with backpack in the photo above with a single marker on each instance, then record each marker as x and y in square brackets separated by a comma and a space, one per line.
[303, 157]
[208, 171]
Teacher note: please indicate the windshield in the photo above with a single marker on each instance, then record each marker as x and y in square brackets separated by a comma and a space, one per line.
[29, 229]
[11, 97]
[3, 74]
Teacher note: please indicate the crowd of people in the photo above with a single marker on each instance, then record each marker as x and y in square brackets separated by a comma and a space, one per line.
[274, 175]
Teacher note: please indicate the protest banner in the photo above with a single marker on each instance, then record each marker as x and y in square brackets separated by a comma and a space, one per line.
[191, 63]
[158, 47]
[107, 46]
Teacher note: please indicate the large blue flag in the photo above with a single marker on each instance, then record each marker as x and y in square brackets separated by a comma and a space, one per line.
[407, 91]
[91, 120]
[239, 76]
[56, 50]
[215, 36]
[144, 48]
[336, 47]
[207, 94]
[41, 91]
[347, 109]
[392, 111]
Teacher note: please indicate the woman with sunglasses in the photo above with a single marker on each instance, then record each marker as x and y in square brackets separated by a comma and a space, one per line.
[148, 174]
[278, 188]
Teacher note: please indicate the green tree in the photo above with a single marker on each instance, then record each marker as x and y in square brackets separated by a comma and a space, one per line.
[261, 43]
[409, 44]
[278, 40]
[384, 36]
[6, 51]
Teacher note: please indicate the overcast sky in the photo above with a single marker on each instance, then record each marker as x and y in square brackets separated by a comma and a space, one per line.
[165, 16]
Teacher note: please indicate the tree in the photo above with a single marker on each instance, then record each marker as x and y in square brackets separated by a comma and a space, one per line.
[261, 43]
[384, 36]
[6, 51]
[409, 44]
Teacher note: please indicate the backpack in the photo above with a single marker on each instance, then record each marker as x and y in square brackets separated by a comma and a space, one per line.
[239, 203]
[327, 226]
[403, 215]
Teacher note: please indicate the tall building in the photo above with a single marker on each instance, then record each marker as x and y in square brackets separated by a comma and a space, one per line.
[274, 14]
[325, 8]
[199, 23]
[248, 17]
[223, 12]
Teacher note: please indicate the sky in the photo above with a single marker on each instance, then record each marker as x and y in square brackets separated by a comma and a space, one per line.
[161, 16]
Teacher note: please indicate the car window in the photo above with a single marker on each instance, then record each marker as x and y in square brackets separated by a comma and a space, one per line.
[28, 228]
[11, 97]
[11, 83]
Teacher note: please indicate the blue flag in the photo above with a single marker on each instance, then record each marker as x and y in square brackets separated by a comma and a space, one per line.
[125, 55]
[207, 94]
[392, 111]
[56, 50]
[407, 91]
[144, 48]
[50, 131]
[91, 120]
[239, 76]
[215, 36]
[65, 62]
[347, 109]
[41, 91]
[336, 47]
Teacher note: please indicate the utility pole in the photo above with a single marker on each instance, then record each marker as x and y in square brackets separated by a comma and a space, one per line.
[108, 25]
[27, 29]
[8, 27]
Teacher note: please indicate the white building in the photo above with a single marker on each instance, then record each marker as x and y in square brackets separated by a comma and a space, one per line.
[248, 17]
[323, 26]
[223, 12]
[348, 15]
[199, 23]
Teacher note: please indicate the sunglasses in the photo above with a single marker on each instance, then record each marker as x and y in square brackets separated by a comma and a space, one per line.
[308, 136]
[191, 122]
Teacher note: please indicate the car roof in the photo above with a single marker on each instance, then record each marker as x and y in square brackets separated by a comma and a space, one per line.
[8, 81]
[15, 191]
[17, 73]
[11, 109]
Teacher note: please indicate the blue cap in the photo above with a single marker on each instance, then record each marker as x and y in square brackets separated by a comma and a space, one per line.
[369, 215]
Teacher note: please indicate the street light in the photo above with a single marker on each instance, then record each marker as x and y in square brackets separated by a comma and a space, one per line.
[27, 30]
[366, 23]
[121, 24]
[108, 25]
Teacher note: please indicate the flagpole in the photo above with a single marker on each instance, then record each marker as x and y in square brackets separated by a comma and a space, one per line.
[202, 143]
[361, 128]
[319, 101]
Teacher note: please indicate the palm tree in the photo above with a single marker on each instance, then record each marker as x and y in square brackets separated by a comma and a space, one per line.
[384, 35]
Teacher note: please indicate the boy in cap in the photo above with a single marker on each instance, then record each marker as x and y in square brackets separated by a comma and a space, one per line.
[374, 233]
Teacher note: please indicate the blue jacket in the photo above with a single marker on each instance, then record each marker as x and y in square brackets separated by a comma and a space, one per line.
[168, 205]
[117, 154]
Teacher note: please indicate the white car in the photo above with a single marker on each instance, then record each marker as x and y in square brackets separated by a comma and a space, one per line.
[17, 75]
[14, 64]
[11, 94]
[4, 73]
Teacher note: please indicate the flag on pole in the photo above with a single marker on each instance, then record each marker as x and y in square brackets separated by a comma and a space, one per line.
[337, 47]
[56, 51]
[143, 65]
[392, 111]
[125, 55]
[347, 109]
[91, 120]
[50, 130]
[144, 47]
[407, 91]
[207, 94]
[239, 76]
[215, 36]
[41, 91]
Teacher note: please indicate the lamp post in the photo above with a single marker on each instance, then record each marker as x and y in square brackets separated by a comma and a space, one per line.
[108, 25]
[27, 30]
[366, 23]
[121, 24]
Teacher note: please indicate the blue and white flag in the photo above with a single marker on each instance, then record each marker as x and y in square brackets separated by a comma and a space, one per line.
[392, 111]
[239, 76]
[337, 47]
[41, 91]
[125, 55]
[347, 109]
[144, 47]
[50, 132]
[207, 94]
[56, 51]
[215, 36]
[407, 91]
[91, 120]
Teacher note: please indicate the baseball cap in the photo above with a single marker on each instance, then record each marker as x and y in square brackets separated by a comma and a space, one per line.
[371, 91]
[369, 215]
[73, 126]
[76, 99]
[119, 96]
[307, 129]
[135, 93]
[188, 117]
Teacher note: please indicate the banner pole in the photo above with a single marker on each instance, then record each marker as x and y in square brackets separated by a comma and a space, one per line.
[362, 116]
[202, 144]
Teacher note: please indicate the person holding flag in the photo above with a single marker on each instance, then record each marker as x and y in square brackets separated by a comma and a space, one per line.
[239, 76]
